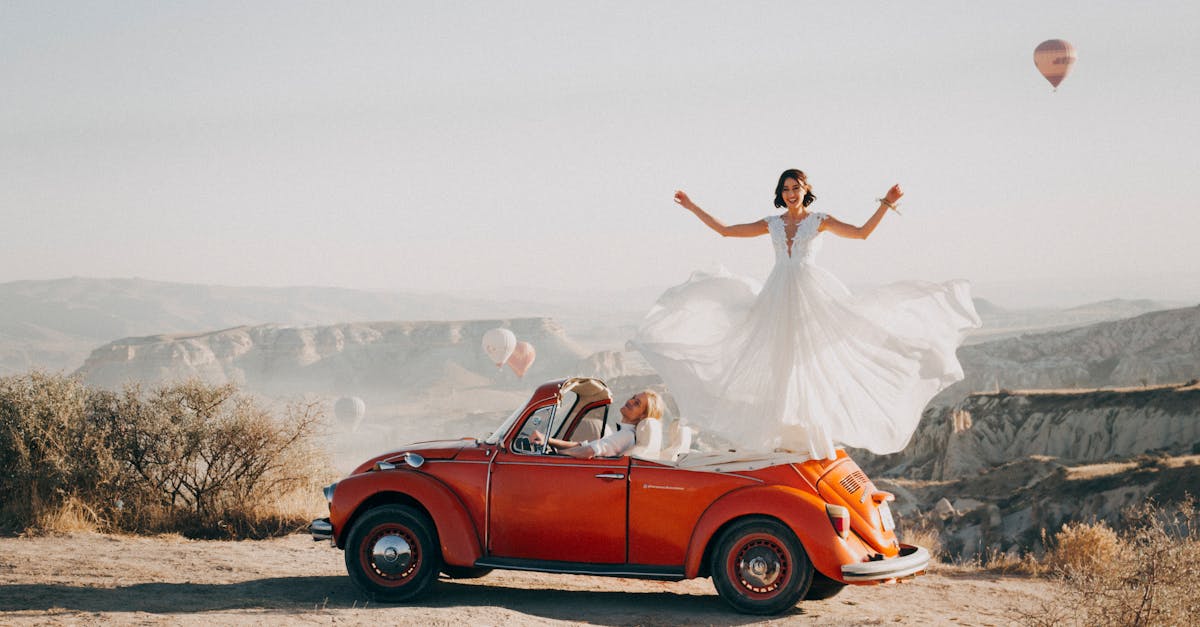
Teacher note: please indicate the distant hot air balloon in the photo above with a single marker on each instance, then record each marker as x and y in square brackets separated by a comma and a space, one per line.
[522, 358]
[349, 410]
[499, 344]
[1054, 59]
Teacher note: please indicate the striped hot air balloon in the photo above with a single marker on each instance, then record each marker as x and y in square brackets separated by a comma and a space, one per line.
[1054, 58]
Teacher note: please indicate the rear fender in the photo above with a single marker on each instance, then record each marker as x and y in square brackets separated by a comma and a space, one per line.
[457, 535]
[802, 512]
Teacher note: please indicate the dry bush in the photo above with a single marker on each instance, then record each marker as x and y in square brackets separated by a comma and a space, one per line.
[1082, 547]
[194, 458]
[52, 453]
[1149, 579]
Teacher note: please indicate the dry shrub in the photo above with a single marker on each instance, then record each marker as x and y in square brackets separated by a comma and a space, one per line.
[52, 452]
[199, 459]
[1149, 579]
[1083, 547]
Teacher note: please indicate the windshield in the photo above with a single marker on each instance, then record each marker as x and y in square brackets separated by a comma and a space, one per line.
[504, 427]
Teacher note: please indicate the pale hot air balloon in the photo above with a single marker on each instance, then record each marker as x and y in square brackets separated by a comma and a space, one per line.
[522, 358]
[499, 344]
[1054, 59]
[349, 410]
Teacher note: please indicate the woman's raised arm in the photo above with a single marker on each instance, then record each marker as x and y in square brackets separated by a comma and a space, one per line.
[841, 229]
[750, 229]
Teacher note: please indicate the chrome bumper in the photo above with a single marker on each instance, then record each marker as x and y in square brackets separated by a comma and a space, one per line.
[321, 529]
[912, 560]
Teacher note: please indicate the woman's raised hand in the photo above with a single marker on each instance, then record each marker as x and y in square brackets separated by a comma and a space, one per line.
[681, 198]
[894, 194]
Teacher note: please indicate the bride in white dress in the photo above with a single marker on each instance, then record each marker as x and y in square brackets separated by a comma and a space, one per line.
[802, 364]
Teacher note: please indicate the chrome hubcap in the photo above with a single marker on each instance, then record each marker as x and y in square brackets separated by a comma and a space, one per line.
[760, 567]
[391, 554]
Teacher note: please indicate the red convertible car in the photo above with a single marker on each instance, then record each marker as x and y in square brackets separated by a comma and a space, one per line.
[769, 528]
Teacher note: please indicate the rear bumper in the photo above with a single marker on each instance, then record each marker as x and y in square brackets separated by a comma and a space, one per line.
[912, 560]
[321, 529]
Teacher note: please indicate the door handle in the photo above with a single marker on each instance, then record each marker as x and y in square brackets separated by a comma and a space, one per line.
[610, 475]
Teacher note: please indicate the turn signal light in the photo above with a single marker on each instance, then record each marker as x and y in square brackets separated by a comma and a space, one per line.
[839, 516]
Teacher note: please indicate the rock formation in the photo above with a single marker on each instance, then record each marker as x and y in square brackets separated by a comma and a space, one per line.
[396, 357]
[1157, 347]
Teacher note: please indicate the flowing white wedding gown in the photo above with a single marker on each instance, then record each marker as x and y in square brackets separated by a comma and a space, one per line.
[803, 364]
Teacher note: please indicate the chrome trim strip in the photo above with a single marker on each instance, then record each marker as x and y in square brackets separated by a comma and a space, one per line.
[902, 566]
[616, 462]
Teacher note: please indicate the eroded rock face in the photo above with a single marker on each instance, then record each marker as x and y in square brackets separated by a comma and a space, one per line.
[334, 359]
[1071, 426]
[1024, 463]
[1158, 347]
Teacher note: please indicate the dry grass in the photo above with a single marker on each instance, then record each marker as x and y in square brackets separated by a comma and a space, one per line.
[924, 534]
[70, 516]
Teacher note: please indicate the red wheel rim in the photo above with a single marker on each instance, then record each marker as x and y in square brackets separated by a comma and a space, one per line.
[760, 566]
[390, 554]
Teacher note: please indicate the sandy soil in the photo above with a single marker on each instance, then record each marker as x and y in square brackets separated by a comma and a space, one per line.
[88, 578]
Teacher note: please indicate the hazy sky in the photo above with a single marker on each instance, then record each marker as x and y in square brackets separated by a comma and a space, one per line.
[464, 146]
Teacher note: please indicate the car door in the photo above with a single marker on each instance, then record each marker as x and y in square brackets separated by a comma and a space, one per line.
[557, 508]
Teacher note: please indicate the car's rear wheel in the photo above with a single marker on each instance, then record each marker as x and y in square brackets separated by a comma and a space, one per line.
[392, 553]
[760, 567]
[823, 587]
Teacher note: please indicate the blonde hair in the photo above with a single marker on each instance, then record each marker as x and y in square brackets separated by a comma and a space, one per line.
[654, 404]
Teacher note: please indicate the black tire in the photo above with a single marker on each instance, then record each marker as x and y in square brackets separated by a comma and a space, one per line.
[464, 572]
[760, 567]
[823, 587]
[392, 553]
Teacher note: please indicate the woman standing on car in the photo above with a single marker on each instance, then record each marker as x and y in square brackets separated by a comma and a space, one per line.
[802, 364]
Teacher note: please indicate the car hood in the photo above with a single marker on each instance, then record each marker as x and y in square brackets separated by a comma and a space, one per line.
[435, 449]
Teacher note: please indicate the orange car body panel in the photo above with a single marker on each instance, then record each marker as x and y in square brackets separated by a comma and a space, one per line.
[456, 534]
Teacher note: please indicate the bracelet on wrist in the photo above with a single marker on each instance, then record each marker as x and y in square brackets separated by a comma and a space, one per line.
[889, 204]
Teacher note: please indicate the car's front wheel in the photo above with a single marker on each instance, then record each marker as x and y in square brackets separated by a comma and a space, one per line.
[392, 553]
[760, 567]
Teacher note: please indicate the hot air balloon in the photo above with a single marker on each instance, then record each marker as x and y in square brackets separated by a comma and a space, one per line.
[349, 410]
[1054, 59]
[499, 344]
[522, 358]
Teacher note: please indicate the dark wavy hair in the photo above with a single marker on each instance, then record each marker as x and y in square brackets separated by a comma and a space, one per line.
[799, 176]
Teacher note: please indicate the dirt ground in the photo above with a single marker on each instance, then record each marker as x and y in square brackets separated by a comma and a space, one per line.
[101, 579]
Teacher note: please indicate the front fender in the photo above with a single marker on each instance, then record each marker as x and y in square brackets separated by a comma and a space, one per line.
[457, 535]
[803, 512]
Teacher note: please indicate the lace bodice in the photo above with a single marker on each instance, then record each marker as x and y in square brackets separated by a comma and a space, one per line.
[805, 243]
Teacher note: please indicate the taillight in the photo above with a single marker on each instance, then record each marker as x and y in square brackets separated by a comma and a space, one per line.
[839, 516]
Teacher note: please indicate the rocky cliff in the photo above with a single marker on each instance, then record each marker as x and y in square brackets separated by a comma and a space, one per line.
[369, 357]
[996, 470]
[989, 430]
[1157, 347]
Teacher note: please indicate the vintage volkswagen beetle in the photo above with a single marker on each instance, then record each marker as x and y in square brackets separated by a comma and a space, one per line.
[769, 528]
